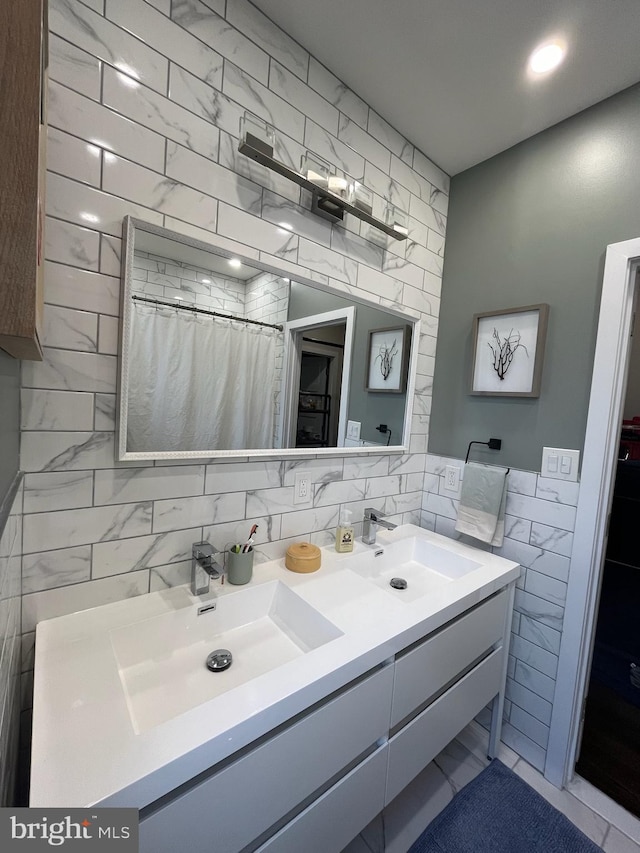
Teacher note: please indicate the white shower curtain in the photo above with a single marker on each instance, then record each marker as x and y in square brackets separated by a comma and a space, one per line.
[198, 382]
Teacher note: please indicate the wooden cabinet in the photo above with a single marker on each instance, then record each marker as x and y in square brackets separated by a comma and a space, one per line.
[23, 80]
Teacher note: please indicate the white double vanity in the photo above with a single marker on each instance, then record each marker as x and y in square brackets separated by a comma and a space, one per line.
[342, 688]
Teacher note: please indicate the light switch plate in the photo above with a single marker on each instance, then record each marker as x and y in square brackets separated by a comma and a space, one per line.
[560, 464]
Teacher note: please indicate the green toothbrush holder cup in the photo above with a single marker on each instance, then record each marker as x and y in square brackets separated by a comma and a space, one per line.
[239, 566]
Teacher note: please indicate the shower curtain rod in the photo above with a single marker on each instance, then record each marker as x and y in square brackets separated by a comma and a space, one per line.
[203, 311]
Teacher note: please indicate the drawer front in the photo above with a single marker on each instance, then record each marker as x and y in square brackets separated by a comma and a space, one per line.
[335, 818]
[418, 743]
[428, 667]
[229, 809]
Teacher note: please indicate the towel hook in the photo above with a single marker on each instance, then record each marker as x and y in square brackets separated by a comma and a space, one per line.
[492, 444]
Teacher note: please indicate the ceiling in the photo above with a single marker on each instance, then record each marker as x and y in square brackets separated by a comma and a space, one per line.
[450, 75]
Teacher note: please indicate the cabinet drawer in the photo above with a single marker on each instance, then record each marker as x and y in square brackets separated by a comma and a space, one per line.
[335, 818]
[414, 746]
[427, 668]
[229, 809]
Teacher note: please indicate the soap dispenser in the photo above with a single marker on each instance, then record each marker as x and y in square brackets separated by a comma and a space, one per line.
[344, 533]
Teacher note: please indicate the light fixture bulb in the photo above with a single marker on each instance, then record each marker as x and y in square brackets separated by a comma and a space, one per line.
[547, 57]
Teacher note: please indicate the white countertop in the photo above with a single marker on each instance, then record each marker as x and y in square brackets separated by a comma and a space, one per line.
[85, 749]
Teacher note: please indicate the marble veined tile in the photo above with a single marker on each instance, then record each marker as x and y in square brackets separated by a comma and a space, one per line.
[105, 412]
[376, 282]
[66, 528]
[353, 135]
[404, 270]
[70, 244]
[542, 635]
[430, 171]
[65, 327]
[390, 138]
[391, 190]
[551, 539]
[559, 491]
[161, 194]
[264, 103]
[529, 701]
[162, 34]
[250, 21]
[198, 172]
[543, 511]
[82, 289]
[203, 22]
[104, 40]
[423, 211]
[62, 451]
[329, 263]
[58, 490]
[175, 514]
[74, 68]
[539, 609]
[299, 95]
[306, 521]
[205, 101]
[42, 409]
[73, 157]
[142, 552]
[337, 93]
[151, 110]
[51, 569]
[71, 371]
[277, 209]
[356, 249]
[236, 224]
[103, 127]
[108, 335]
[241, 476]
[334, 150]
[122, 485]
[68, 599]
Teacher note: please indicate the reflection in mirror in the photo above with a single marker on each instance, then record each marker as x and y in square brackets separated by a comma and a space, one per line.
[221, 356]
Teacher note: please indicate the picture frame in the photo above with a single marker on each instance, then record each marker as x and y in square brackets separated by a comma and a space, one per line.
[508, 351]
[387, 363]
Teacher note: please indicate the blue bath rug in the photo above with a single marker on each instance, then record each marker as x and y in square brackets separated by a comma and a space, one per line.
[499, 813]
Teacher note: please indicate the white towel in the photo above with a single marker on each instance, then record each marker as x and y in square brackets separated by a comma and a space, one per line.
[482, 502]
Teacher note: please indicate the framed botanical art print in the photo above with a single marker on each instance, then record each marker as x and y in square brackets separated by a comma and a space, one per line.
[508, 351]
[388, 359]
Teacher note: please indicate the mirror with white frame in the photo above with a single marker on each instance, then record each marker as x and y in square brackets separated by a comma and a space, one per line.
[224, 356]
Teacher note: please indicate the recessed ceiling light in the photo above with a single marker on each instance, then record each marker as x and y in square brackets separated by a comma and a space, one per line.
[547, 57]
[235, 263]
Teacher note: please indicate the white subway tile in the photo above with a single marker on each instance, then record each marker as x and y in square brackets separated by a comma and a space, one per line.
[65, 327]
[546, 512]
[148, 109]
[71, 371]
[289, 87]
[540, 659]
[74, 68]
[56, 410]
[73, 157]
[99, 37]
[334, 150]
[430, 171]
[545, 587]
[358, 139]
[249, 20]
[327, 262]
[305, 522]
[143, 552]
[195, 512]
[551, 539]
[70, 244]
[66, 451]
[51, 530]
[241, 476]
[337, 93]
[124, 485]
[161, 34]
[108, 335]
[105, 412]
[82, 289]
[542, 635]
[259, 100]
[210, 28]
[51, 569]
[558, 491]
[238, 225]
[69, 599]
[530, 726]
[58, 490]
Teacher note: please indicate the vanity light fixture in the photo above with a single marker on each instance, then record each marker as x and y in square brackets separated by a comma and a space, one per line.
[333, 193]
[547, 57]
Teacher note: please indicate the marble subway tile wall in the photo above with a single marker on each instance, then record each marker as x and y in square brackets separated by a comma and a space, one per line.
[539, 523]
[144, 104]
[10, 642]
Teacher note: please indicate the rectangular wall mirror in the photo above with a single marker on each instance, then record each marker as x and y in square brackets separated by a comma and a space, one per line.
[221, 356]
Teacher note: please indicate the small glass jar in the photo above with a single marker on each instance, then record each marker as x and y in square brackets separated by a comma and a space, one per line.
[397, 219]
[315, 169]
[361, 197]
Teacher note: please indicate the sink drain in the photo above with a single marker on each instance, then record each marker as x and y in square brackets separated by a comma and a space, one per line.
[219, 660]
[398, 583]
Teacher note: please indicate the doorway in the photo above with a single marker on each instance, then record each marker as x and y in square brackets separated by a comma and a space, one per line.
[321, 361]
[602, 442]
[609, 751]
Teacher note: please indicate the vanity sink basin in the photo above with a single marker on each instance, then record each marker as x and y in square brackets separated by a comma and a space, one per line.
[424, 566]
[162, 661]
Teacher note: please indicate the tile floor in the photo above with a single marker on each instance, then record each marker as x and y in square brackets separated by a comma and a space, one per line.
[395, 830]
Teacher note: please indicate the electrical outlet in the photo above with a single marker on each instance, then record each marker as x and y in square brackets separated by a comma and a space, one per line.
[302, 488]
[353, 430]
[451, 477]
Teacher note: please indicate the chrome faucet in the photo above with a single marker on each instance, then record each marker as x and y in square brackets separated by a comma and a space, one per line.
[203, 567]
[373, 519]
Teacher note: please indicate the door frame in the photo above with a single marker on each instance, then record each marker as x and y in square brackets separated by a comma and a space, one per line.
[293, 331]
[606, 402]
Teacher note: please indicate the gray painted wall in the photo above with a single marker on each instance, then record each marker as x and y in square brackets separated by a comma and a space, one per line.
[532, 225]
[9, 421]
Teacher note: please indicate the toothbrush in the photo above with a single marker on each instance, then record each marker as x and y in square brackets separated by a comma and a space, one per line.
[247, 545]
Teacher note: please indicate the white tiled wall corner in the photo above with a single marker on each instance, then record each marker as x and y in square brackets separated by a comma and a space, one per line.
[10, 646]
[539, 523]
[144, 104]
